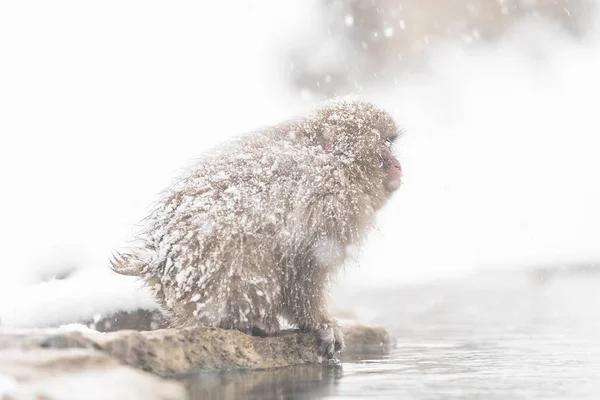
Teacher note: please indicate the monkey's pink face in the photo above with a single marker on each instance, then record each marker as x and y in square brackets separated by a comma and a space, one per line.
[391, 164]
[393, 169]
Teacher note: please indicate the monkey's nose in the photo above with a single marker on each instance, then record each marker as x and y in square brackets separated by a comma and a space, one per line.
[395, 164]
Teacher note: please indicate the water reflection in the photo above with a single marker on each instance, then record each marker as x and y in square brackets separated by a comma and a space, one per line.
[298, 382]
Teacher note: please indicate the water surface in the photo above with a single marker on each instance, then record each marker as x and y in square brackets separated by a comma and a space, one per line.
[507, 335]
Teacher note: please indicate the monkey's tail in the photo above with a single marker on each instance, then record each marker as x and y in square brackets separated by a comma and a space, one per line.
[127, 264]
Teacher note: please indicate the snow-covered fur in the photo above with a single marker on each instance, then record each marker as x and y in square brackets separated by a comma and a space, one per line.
[257, 229]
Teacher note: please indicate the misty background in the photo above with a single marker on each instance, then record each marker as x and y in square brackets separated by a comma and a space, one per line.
[101, 104]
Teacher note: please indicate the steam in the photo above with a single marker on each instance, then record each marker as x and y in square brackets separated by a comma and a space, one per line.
[500, 160]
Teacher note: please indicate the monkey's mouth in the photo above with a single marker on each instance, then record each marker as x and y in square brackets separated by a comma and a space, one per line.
[394, 178]
[394, 172]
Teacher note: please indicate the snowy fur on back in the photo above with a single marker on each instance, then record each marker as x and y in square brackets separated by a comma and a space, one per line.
[257, 229]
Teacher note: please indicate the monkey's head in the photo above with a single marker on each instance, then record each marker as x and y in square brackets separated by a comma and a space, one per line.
[360, 136]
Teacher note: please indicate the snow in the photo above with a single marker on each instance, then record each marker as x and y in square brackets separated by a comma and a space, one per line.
[8, 384]
[499, 158]
[95, 383]
[329, 251]
[349, 20]
[94, 291]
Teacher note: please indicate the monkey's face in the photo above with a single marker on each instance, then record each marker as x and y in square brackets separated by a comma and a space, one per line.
[360, 136]
[375, 132]
[391, 164]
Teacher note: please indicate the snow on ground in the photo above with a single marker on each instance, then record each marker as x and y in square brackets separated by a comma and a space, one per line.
[82, 297]
[7, 384]
[102, 104]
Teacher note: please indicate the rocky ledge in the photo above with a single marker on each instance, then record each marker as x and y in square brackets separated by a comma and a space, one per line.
[35, 361]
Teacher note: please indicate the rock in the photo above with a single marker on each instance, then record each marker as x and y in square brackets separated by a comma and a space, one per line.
[169, 352]
[138, 320]
[358, 337]
[187, 350]
[178, 351]
[364, 342]
[64, 374]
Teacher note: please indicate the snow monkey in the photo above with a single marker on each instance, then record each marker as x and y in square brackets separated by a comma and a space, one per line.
[257, 229]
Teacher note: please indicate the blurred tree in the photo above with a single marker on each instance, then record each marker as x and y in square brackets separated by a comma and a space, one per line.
[374, 40]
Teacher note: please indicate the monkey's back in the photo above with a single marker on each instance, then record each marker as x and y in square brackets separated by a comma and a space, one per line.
[231, 224]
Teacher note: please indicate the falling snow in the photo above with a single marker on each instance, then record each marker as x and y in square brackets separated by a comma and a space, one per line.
[349, 20]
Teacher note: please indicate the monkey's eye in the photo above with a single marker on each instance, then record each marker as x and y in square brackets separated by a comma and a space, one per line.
[389, 141]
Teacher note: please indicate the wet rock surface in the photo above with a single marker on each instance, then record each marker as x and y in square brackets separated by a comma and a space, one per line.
[176, 351]
[179, 351]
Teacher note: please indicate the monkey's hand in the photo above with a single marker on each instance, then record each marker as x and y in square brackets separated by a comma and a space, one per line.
[330, 339]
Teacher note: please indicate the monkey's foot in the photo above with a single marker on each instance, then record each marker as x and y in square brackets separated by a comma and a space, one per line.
[330, 340]
[332, 362]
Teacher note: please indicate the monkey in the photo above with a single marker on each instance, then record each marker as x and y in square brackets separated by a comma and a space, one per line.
[257, 229]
